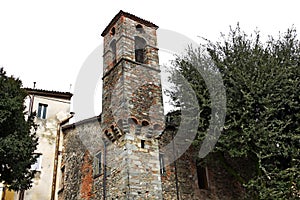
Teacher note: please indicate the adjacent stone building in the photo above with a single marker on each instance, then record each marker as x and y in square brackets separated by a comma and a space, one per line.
[118, 154]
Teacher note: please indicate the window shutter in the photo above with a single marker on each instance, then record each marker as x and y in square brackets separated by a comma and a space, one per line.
[39, 111]
[44, 111]
[96, 166]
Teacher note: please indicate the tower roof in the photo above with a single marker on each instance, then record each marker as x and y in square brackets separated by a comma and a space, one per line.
[128, 15]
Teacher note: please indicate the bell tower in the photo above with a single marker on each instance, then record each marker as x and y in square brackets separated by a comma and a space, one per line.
[132, 106]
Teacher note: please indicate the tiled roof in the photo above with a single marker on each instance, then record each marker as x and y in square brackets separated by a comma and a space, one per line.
[48, 93]
[128, 15]
[84, 121]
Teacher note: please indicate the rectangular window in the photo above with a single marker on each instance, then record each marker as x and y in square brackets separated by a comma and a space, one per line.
[42, 111]
[98, 163]
[142, 144]
[202, 176]
[37, 166]
[162, 164]
[62, 178]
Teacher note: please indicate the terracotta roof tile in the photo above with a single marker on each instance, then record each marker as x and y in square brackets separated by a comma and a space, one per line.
[48, 93]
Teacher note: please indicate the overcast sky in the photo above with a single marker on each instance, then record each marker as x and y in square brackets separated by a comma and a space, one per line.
[48, 41]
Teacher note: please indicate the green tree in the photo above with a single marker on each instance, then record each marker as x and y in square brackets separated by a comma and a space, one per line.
[17, 135]
[262, 126]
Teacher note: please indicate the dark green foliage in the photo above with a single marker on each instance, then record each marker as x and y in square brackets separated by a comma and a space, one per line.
[262, 82]
[17, 135]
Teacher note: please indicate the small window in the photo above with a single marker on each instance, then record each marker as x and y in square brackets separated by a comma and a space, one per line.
[162, 164]
[62, 178]
[42, 111]
[113, 31]
[98, 163]
[37, 166]
[142, 144]
[139, 28]
[202, 176]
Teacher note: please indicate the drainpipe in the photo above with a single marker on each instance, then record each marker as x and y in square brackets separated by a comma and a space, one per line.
[104, 173]
[31, 105]
[175, 166]
[31, 101]
[59, 125]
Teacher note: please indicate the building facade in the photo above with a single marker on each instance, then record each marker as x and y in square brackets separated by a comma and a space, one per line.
[52, 110]
[118, 154]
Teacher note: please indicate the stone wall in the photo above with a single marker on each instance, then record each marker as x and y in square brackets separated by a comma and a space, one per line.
[180, 180]
[71, 162]
[132, 109]
[81, 142]
[124, 34]
[130, 170]
[128, 133]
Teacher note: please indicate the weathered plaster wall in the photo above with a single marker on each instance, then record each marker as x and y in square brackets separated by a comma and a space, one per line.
[47, 133]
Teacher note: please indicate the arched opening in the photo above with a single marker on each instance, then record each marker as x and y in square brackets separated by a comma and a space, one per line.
[113, 47]
[132, 120]
[140, 28]
[145, 123]
[139, 46]
[113, 31]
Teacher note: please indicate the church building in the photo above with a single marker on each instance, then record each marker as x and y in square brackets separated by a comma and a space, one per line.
[117, 155]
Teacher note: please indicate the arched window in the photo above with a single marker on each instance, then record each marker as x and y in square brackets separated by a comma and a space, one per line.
[113, 31]
[139, 47]
[140, 28]
[113, 48]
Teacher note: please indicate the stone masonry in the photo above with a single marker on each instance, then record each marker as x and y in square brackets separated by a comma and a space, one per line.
[116, 155]
[131, 121]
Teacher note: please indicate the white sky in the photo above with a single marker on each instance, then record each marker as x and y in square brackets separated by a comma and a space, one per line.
[48, 41]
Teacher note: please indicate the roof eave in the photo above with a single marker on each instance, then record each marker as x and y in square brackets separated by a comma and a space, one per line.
[128, 15]
[47, 93]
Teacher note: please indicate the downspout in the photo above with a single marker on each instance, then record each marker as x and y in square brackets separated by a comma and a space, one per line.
[31, 105]
[175, 166]
[54, 177]
[31, 101]
[104, 172]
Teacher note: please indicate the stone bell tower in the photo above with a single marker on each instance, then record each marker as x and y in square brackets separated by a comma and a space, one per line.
[132, 107]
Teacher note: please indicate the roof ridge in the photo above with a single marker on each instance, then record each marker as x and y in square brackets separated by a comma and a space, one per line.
[129, 15]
